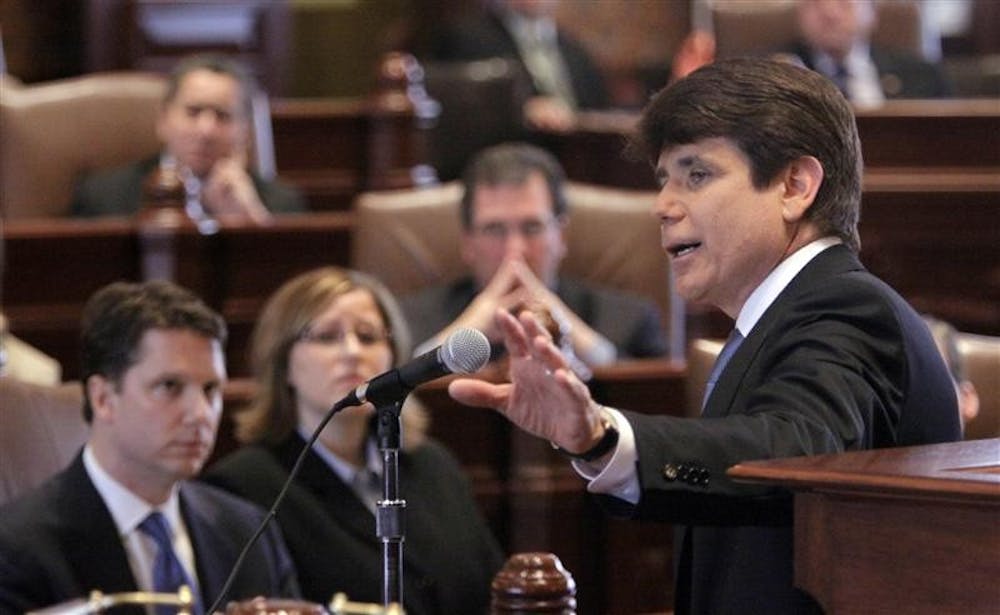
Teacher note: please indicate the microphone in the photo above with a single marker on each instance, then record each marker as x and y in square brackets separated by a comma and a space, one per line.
[464, 352]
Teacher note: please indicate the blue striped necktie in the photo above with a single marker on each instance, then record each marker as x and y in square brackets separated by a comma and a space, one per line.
[168, 573]
[734, 341]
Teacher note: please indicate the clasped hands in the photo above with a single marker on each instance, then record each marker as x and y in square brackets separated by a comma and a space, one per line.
[514, 287]
[544, 396]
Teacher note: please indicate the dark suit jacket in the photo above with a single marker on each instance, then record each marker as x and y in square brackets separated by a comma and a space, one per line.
[485, 36]
[449, 555]
[630, 323]
[59, 542]
[118, 192]
[838, 362]
[902, 75]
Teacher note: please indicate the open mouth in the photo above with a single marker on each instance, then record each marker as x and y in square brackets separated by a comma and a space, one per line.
[682, 249]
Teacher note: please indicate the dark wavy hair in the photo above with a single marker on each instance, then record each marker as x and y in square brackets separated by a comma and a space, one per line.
[774, 112]
[510, 164]
[117, 316]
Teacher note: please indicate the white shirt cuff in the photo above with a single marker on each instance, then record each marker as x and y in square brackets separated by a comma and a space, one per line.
[618, 478]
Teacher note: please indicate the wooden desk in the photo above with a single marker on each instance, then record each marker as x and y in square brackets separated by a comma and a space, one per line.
[906, 530]
[54, 265]
[533, 499]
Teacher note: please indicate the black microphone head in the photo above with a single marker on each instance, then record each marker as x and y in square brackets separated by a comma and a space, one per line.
[465, 351]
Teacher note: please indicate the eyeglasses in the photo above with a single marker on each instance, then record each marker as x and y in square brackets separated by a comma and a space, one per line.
[366, 335]
[529, 229]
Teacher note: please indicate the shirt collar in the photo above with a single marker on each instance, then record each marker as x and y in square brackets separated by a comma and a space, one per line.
[764, 295]
[530, 29]
[346, 471]
[127, 509]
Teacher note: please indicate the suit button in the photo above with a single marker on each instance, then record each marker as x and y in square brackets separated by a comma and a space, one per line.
[670, 472]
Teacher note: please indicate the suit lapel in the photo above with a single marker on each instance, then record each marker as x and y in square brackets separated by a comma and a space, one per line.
[214, 549]
[832, 261]
[336, 497]
[89, 534]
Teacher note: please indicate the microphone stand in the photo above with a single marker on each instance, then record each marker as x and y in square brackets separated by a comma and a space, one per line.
[389, 519]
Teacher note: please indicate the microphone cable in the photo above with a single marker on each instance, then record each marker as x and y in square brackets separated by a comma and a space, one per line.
[238, 565]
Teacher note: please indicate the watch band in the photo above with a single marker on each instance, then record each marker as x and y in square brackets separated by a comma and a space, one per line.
[606, 444]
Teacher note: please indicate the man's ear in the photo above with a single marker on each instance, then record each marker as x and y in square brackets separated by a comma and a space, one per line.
[102, 395]
[802, 179]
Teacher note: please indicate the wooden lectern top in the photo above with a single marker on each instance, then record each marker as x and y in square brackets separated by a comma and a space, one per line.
[970, 468]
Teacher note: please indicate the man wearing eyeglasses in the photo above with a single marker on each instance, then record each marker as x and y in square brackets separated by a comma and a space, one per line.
[513, 216]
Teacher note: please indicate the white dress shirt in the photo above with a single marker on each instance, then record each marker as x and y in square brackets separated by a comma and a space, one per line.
[864, 87]
[129, 510]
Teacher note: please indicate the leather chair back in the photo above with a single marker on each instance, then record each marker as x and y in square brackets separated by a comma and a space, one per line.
[465, 90]
[981, 354]
[410, 239]
[43, 429]
[55, 133]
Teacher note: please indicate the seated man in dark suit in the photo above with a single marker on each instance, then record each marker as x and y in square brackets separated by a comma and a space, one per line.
[123, 516]
[513, 215]
[835, 41]
[563, 78]
[204, 125]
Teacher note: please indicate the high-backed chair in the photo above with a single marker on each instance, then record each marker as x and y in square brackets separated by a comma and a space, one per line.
[57, 132]
[464, 89]
[410, 239]
[42, 430]
[981, 354]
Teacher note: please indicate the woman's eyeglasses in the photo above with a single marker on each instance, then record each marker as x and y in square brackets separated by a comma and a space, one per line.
[366, 335]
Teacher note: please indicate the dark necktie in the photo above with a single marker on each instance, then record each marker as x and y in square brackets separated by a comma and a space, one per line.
[734, 341]
[168, 573]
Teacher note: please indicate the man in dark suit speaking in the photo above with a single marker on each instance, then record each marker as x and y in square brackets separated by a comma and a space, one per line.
[759, 167]
[122, 517]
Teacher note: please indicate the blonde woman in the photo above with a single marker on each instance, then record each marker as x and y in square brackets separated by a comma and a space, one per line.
[319, 336]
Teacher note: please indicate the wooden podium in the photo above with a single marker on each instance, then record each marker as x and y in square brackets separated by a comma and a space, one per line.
[905, 530]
